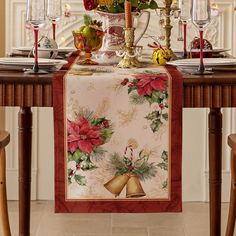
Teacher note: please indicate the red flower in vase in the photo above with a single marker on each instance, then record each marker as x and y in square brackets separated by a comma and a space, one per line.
[83, 136]
[90, 4]
[149, 82]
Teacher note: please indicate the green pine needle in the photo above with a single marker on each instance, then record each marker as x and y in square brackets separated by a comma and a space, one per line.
[145, 171]
[87, 19]
[137, 99]
[142, 168]
[118, 165]
[86, 113]
[97, 154]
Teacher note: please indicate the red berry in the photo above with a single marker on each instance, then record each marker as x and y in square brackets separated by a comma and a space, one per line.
[125, 81]
[161, 106]
[130, 168]
[106, 124]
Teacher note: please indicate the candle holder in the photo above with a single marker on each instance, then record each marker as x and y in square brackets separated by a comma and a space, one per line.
[169, 8]
[129, 52]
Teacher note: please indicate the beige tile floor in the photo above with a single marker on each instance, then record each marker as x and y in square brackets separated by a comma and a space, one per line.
[192, 222]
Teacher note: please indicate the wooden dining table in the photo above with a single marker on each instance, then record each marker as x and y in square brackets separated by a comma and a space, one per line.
[210, 91]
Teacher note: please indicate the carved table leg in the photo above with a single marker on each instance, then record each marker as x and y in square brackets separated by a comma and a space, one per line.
[25, 144]
[215, 167]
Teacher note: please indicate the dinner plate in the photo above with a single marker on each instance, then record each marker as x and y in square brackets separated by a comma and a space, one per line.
[29, 62]
[215, 50]
[60, 49]
[208, 62]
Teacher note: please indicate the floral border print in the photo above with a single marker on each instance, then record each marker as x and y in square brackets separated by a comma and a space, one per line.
[85, 137]
[152, 88]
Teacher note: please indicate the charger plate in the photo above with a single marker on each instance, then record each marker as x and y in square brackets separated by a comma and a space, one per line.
[22, 62]
[208, 62]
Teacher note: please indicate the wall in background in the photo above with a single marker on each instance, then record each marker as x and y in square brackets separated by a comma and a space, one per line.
[2, 51]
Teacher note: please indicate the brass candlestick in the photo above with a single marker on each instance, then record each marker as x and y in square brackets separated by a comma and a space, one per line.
[168, 10]
[129, 51]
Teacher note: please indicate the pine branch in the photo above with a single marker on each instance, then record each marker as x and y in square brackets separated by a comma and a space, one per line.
[146, 170]
[97, 154]
[118, 164]
[137, 99]
[86, 113]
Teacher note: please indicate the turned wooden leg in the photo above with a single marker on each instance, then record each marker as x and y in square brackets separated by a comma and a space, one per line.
[232, 205]
[25, 145]
[232, 212]
[4, 219]
[215, 167]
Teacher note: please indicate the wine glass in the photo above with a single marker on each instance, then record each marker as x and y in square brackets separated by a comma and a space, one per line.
[35, 16]
[184, 6]
[201, 17]
[54, 13]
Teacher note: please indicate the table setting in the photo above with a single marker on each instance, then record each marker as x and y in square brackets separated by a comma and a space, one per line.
[118, 122]
[110, 46]
[45, 52]
[152, 83]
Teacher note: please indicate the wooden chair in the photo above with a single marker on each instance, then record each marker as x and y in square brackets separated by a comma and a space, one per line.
[4, 219]
[232, 204]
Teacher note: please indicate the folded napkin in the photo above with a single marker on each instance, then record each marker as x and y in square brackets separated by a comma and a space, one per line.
[118, 139]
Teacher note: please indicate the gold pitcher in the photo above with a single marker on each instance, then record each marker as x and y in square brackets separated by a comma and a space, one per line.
[134, 187]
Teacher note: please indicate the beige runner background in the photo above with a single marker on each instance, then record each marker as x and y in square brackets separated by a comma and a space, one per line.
[2, 51]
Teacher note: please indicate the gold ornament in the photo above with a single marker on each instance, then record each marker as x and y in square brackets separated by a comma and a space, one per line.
[117, 183]
[160, 56]
[134, 187]
[132, 183]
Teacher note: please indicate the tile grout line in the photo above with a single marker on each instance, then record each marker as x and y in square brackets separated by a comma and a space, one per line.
[148, 233]
[111, 224]
[41, 219]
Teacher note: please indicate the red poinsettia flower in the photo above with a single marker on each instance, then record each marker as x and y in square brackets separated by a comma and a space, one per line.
[83, 136]
[149, 82]
[90, 4]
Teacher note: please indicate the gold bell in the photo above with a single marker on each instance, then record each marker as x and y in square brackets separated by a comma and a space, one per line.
[134, 187]
[116, 184]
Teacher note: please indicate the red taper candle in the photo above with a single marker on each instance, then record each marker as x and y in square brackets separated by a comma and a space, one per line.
[128, 15]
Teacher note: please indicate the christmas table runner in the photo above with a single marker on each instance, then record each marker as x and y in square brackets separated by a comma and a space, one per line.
[118, 139]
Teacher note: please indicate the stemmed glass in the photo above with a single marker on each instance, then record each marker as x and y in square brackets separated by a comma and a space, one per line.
[201, 17]
[54, 13]
[36, 17]
[184, 6]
